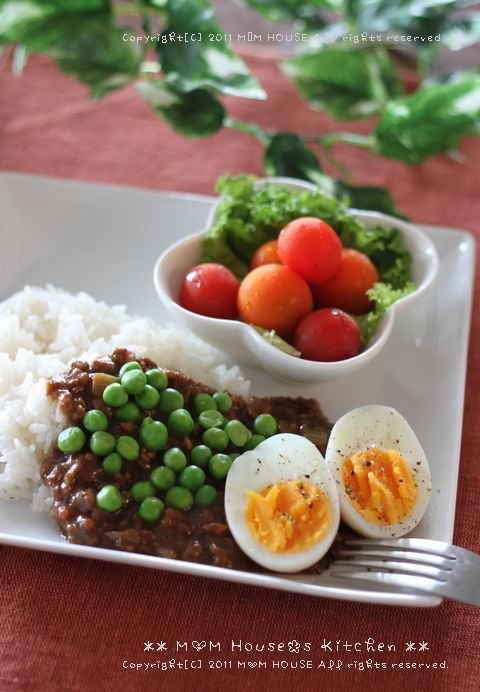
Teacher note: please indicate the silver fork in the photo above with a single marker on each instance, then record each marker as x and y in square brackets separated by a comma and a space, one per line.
[413, 564]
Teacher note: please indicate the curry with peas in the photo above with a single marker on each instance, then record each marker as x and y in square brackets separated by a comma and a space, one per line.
[141, 465]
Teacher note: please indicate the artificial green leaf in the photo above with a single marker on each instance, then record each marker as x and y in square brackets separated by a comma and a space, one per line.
[430, 121]
[415, 16]
[417, 26]
[308, 11]
[196, 114]
[21, 18]
[99, 56]
[346, 83]
[195, 54]
[158, 4]
[79, 36]
[19, 60]
[287, 155]
[368, 197]
[463, 33]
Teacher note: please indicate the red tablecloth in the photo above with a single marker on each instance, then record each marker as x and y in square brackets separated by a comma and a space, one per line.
[74, 624]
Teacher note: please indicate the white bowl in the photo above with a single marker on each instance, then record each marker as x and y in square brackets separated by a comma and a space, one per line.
[245, 345]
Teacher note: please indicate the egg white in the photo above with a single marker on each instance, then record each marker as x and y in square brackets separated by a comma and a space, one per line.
[382, 427]
[282, 457]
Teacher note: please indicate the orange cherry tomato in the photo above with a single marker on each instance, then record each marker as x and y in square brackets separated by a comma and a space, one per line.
[265, 254]
[274, 297]
[346, 289]
[310, 247]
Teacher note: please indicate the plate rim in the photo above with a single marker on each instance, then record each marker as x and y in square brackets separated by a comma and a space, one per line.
[279, 582]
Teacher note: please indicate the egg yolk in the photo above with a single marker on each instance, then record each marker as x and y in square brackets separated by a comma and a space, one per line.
[290, 516]
[380, 485]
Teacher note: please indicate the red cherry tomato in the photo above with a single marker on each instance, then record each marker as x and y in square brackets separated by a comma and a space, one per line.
[265, 254]
[311, 248]
[274, 297]
[346, 289]
[210, 289]
[327, 335]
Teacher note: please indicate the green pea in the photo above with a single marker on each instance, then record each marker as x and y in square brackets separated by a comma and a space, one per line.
[180, 422]
[200, 455]
[128, 412]
[153, 434]
[102, 443]
[234, 455]
[219, 465]
[149, 398]
[128, 367]
[205, 496]
[210, 419]
[134, 381]
[112, 463]
[203, 402]
[224, 401]
[237, 432]
[170, 399]
[216, 438]
[109, 498]
[95, 420]
[151, 509]
[141, 490]
[254, 441]
[265, 424]
[71, 440]
[163, 477]
[192, 477]
[157, 378]
[114, 395]
[179, 498]
[128, 447]
[175, 459]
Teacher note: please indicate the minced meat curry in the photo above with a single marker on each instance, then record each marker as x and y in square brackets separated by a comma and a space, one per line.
[106, 499]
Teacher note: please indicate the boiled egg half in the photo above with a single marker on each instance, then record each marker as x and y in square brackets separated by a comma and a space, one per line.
[381, 471]
[281, 503]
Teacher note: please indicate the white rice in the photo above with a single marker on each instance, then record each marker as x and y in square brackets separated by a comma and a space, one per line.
[41, 331]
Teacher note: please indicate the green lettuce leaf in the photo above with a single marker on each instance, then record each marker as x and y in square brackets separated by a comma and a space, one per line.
[383, 297]
[249, 214]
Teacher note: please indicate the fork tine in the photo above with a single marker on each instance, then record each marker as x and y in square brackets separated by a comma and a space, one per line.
[401, 582]
[409, 583]
[420, 550]
[384, 565]
[411, 564]
[421, 545]
[397, 556]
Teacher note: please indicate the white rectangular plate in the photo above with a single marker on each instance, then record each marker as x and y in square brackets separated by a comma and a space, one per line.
[62, 232]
